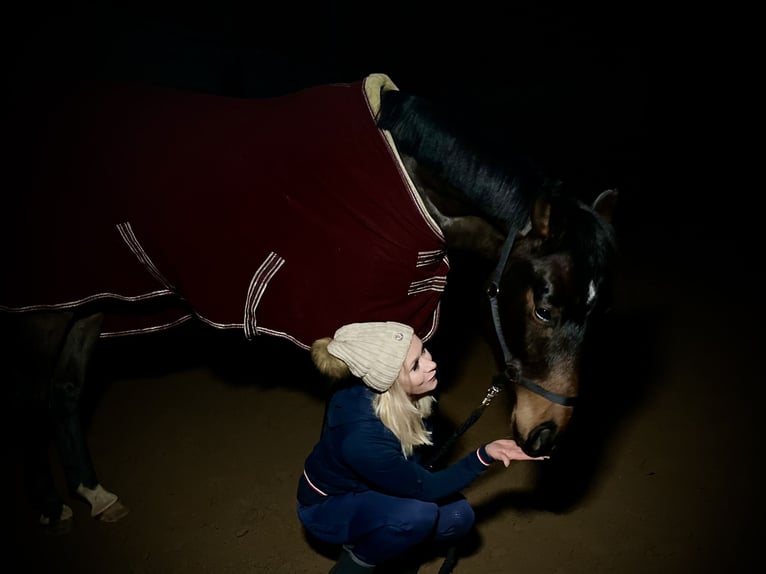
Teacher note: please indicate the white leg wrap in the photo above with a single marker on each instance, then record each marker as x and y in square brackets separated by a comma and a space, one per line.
[66, 514]
[99, 498]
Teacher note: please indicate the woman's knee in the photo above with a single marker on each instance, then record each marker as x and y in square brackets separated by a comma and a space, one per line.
[455, 520]
[423, 516]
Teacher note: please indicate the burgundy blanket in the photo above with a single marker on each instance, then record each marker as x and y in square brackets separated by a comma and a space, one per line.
[289, 216]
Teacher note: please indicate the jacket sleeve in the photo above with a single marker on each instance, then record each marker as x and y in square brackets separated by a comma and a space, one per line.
[375, 455]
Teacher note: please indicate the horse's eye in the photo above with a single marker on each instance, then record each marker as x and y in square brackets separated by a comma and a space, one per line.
[543, 314]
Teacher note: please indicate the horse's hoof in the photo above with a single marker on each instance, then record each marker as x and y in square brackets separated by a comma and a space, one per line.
[62, 525]
[117, 511]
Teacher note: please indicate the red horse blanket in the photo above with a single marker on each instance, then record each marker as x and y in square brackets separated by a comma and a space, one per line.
[289, 216]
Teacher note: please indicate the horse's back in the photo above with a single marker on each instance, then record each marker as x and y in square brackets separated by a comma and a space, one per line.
[220, 198]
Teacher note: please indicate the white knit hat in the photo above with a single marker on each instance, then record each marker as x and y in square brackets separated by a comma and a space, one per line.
[374, 352]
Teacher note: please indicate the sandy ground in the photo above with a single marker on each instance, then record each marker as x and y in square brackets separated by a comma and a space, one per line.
[203, 436]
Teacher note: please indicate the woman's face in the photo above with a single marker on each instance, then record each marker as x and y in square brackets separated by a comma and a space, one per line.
[418, 373]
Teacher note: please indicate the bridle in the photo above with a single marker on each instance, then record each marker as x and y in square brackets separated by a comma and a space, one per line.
[510, 375]
[503, 379]
[507, 376]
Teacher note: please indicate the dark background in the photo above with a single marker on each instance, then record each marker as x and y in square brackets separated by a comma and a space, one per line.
[566, 83]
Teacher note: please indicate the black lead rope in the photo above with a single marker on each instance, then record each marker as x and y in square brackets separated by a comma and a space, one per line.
[492, 392]
[450, 559]
[499, 382]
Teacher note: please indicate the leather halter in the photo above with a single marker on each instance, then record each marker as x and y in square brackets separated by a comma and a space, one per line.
[503, 378]
[507, 375]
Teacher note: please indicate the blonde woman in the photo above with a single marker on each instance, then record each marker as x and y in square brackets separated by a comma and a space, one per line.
[362, 486]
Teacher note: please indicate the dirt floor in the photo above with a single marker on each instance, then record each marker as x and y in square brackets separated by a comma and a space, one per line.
[203, 437]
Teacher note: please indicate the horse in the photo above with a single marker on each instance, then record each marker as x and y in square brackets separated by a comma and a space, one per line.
[140, 208]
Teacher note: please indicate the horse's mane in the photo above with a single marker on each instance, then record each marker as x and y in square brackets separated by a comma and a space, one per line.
[500, 183]
[502, 187]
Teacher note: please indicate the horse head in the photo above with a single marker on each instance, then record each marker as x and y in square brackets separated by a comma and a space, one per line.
[549, 287]
[551, 254]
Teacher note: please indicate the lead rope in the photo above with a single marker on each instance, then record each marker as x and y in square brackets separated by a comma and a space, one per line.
[492, 392]
[450, 560]
[499, 381]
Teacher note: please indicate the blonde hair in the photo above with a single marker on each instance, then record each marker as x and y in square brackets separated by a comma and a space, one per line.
[396, 410]
[404, 417]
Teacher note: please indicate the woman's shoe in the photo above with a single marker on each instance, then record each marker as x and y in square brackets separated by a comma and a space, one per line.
[350, 564]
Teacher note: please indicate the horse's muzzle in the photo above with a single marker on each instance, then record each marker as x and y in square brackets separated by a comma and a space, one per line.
[541, 440]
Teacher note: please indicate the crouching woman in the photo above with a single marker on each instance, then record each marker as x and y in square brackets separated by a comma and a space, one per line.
[362, 486]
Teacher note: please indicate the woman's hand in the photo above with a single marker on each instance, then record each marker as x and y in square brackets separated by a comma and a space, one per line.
[506, 450]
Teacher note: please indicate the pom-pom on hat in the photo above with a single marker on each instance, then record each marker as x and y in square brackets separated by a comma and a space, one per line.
[374, 352]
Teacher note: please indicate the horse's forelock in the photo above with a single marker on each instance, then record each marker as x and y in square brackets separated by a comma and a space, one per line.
[578, 230]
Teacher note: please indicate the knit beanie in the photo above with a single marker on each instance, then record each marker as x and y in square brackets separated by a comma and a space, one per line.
[374, 352]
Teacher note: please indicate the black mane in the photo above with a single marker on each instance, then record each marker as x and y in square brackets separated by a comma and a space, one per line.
[501, 188]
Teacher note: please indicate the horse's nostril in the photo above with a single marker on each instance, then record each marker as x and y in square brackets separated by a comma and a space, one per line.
[541, 440]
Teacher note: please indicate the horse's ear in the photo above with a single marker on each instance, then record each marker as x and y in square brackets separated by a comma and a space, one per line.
[605, 204]
[541, 217]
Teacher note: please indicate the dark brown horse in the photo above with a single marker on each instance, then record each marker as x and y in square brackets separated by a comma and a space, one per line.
[141, 208]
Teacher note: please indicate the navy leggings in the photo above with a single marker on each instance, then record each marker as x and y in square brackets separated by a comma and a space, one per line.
[377, 527]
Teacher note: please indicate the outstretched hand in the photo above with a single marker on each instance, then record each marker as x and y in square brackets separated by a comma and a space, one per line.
[506, 450]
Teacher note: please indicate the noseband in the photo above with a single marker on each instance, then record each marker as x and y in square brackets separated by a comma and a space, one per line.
[511, 375]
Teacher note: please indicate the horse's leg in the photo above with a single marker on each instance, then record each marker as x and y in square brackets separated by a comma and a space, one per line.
[67, 385]
[29, 347]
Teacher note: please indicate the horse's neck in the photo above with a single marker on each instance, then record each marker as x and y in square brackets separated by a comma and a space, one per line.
[459, 185]
[463, 227]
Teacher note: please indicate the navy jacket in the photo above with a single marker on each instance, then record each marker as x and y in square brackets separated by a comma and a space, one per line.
[356, 452]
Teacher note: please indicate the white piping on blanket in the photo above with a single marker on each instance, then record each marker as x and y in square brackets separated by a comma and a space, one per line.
[126, 231]
[258, 285]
